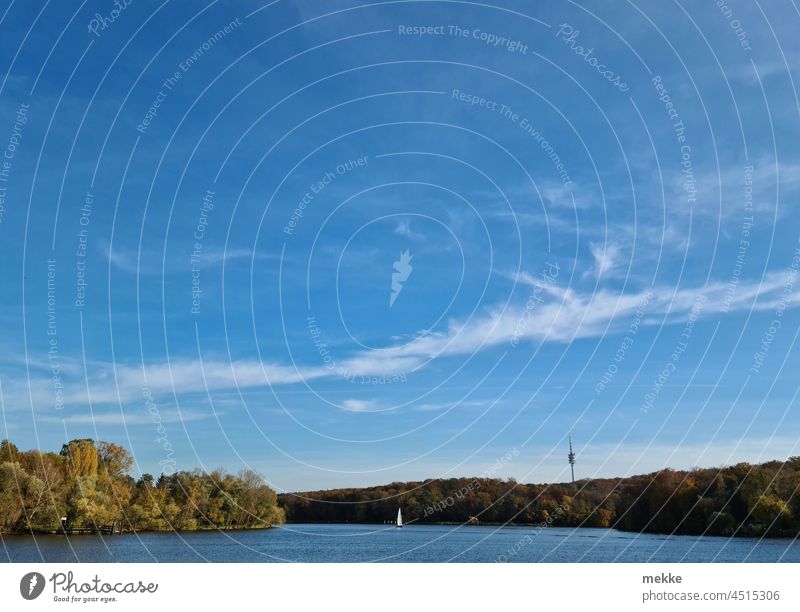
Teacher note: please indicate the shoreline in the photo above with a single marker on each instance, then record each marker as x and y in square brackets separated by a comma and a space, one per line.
[32, 533]
[535, 526]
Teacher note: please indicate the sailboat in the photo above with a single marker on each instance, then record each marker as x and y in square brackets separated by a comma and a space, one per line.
[399, 519]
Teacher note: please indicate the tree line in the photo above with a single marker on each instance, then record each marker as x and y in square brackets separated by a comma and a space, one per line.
[87, 486]
[740, 500]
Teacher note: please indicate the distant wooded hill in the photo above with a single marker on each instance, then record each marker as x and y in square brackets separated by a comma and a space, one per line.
[742, 500]
[87, 483]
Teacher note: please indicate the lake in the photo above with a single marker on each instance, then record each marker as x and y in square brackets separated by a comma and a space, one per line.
[414, 543]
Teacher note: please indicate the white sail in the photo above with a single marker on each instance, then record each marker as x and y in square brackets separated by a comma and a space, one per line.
[399, 518]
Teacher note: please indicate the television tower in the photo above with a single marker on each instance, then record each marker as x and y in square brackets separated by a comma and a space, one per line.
[571, 458]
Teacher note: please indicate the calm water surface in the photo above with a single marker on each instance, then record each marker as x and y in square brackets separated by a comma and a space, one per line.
[414, 543]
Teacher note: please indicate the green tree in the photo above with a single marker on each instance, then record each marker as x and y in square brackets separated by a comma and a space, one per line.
[82, 457]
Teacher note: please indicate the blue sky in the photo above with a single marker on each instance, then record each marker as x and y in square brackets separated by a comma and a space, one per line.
[205, 204]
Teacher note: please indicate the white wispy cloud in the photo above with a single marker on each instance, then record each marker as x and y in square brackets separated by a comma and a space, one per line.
[572, 315]
[721, 194]
[124, 259]
[358, 405]
[436, 407]
[403, 228]
[566, 315]
[764, 69]
[126, 418]
[148, 262]
[225, 255]
[606, 259]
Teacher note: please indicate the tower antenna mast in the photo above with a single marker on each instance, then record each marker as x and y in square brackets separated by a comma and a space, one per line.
[571, 458]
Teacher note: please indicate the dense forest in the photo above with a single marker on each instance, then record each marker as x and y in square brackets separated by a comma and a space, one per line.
[88, 483]
[744, 500]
